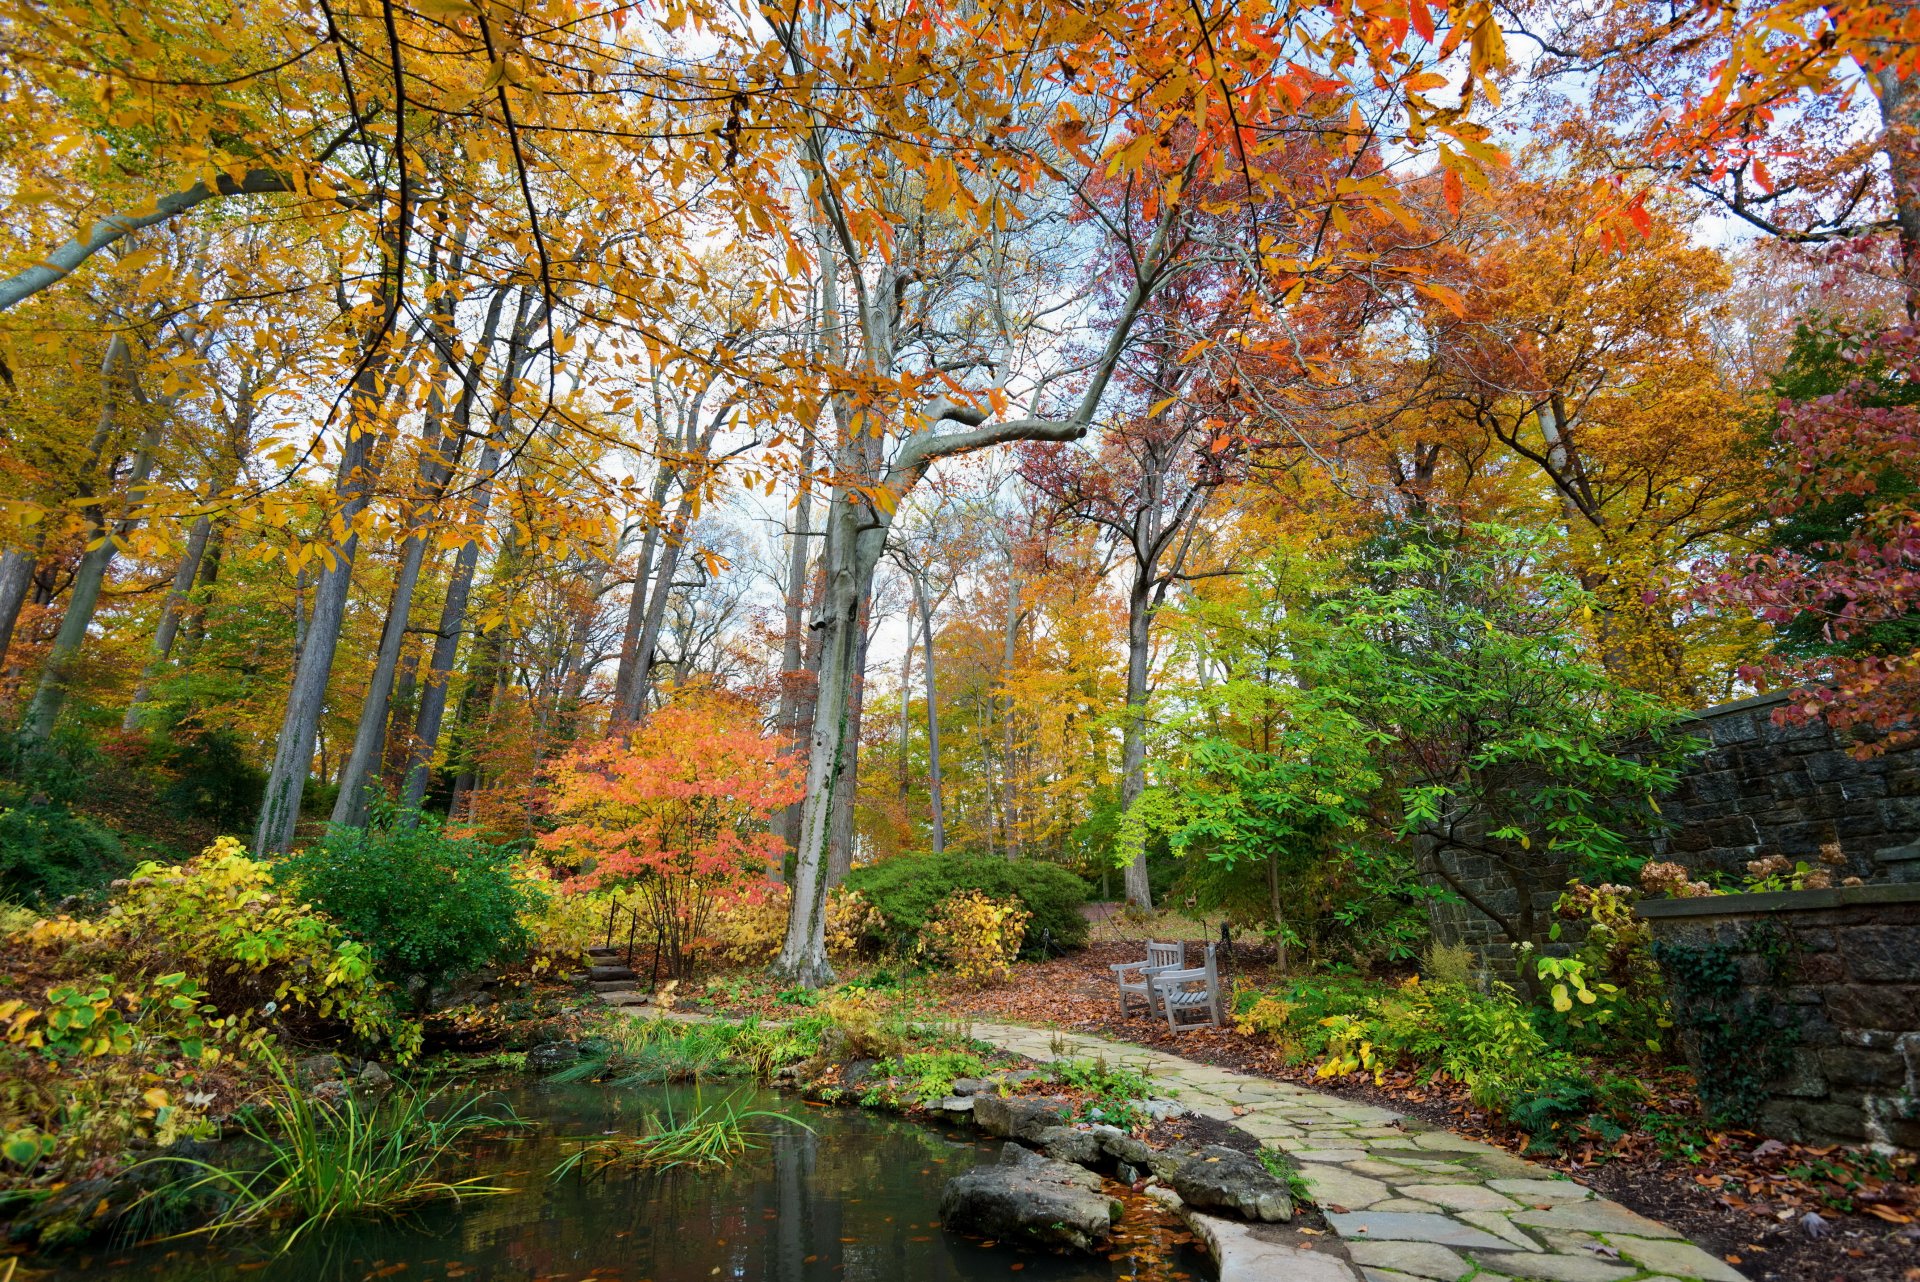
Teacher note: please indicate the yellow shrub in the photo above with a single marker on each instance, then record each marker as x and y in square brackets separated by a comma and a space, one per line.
[851, 921]
[264, 956]
[747, 932]
[975, 937]
[563, 926]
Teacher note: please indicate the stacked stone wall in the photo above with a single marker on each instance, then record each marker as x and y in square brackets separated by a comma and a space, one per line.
[1756, 788]
[1835, 977]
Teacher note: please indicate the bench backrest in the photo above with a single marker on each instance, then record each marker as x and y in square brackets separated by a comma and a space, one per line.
[1166, 954]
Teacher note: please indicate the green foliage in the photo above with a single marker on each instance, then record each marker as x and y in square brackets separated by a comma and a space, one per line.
[424, 903]
[53, 772]
[933, 1073]
[1609, 993]
[262, 954]
[1116, 1092]
[1489, 1042]
[1472, 664]
[48, 853]
[906, 890]
[216, 781]
[711, 1135]
[320, 1162]
[1739, 1039]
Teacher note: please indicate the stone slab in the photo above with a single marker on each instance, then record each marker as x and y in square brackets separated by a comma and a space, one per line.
[1542, 1190]
[1465, 1197]
[1407, 1226]
[1681, 1258]
[1594, 1217]
[1333, 1185]
[1241, 1255]
[1559, 1268]
[1421, 1259]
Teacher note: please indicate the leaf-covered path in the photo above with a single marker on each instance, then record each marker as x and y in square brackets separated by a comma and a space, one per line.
[1409, 1200]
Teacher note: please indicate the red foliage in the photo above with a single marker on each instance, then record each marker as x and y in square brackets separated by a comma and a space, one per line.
[1846, 448]
[676, 811]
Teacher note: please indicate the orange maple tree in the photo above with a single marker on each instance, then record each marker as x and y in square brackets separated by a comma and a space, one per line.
[677, 813]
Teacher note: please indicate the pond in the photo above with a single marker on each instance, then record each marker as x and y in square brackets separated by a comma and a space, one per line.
[856, 1199]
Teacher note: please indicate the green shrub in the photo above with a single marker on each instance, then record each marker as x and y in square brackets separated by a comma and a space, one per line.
[1489, 1042]
[906, 889]
[425, 904]
[48, 853]
[216, 782]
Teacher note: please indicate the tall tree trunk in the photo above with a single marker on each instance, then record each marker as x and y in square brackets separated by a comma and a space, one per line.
[16, 577]
[938, 833]
[906, 716]
[171, 611]
[1133, 750]
[793, 645]
[350, 806]
[91, 576]
[299, 729]
[629, 679]
[849, 569]
[453, 608]
[840, 850]
[1008, 654]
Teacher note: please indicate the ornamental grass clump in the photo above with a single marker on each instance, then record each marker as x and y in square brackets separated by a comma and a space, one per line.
[709, 1136]
[321, 1161]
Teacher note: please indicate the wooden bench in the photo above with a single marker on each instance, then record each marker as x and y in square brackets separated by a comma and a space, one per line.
[1188, 993]
[1134, 978]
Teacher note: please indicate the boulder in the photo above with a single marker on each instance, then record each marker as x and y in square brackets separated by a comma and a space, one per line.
[374, 1079]
[1068, 1144]
[1030, 1200]
[1017, 1118]
[971, 1085]
[545, 1059]
[1224, 1179]
[1122, 1147]
[309, 1069]
[955, 1105]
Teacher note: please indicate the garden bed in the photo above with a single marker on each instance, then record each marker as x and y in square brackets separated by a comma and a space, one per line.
[1727, 1189]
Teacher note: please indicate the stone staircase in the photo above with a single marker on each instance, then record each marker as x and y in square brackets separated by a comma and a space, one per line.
[610, 975]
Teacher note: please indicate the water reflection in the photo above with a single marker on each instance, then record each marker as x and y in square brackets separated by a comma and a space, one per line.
[856, 1199]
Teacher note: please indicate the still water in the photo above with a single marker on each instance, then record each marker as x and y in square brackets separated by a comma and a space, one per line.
[854, 1199]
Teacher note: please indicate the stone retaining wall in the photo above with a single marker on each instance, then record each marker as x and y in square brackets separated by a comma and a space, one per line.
[1755, 789]
[1826, 984]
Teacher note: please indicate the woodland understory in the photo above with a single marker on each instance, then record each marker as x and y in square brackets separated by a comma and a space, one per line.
[898, 502]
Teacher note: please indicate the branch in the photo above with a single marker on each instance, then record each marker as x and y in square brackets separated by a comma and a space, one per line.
[113, 227]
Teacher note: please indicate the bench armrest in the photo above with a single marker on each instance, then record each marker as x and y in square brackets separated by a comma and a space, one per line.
[1172, 975]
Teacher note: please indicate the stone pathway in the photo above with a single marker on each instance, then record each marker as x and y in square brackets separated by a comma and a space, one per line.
[1408, 1200]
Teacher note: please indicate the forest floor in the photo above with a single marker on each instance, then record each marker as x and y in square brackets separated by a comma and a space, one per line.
[1777, 1212]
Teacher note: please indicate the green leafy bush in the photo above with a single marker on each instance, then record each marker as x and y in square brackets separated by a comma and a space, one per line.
[216, 780]
[905, 890]
[48, 853]
[1489, 1042]
[265, 957]
[426, 904]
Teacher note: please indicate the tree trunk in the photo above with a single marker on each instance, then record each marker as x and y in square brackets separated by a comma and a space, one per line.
[1133, 751]
[171, 612]
[840, 851]
[16, 576]
[1007, 655]
[629, 680]
[938, 833]
[293, 751]
[851, 556]
[84, 599]
[350, 806]
[453, 608]
[793, 645]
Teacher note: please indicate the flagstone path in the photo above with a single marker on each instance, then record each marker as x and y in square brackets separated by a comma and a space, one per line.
[1407, 1199]
[1410, 1202]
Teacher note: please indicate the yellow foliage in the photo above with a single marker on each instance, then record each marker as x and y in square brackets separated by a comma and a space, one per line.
[974, 937]
[262, 954]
